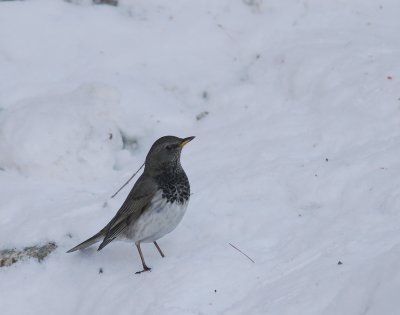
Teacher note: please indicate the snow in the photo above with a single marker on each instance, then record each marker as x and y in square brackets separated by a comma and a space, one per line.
[296, 162]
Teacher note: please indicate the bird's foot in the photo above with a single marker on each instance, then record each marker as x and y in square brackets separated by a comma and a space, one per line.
[145, 268]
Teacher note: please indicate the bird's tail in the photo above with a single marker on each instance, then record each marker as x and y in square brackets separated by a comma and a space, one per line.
[94, 239]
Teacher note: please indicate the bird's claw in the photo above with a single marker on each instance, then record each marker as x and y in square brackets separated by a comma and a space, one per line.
[144, 270]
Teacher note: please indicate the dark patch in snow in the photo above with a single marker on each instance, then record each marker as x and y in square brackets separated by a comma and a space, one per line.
[11, 256]
[254, 4]
[129, 143]
[202, 115]
[109, 2]
[340, 263]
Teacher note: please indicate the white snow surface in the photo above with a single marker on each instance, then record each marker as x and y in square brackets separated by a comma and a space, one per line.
[296, 164]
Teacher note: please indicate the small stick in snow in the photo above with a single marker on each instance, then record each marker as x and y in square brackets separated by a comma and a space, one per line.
[127, 181]
[242, 253]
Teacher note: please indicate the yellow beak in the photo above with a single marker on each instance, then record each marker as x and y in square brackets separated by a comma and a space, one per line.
[185, 141]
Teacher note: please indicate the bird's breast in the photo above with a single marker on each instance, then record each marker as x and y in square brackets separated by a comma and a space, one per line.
[161, 218]
[174, 185]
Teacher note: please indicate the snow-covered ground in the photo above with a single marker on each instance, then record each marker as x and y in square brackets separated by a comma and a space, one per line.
[295, 106]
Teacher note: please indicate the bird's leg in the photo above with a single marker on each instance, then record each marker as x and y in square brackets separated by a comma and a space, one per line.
[145, 268]
[159, 249]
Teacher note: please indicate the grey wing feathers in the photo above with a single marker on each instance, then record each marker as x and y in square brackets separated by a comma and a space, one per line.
[136, 202]
[112, 235]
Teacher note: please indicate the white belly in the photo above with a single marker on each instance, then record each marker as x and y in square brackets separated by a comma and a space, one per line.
[160, 219]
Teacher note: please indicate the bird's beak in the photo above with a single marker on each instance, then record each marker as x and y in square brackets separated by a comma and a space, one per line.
[185, 141]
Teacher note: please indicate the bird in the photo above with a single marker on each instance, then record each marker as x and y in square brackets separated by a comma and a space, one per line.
[155, 205]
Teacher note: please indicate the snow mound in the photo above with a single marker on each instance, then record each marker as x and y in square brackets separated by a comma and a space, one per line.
[62, 135]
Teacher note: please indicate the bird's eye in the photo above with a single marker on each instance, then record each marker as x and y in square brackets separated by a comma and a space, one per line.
[168, 147]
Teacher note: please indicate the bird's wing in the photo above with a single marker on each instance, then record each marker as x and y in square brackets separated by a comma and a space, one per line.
[137, 201]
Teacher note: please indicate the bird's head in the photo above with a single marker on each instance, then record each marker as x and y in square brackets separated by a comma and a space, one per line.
[166, 150]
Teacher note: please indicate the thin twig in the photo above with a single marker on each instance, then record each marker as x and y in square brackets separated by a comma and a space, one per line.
[127, 181]
[242, 253]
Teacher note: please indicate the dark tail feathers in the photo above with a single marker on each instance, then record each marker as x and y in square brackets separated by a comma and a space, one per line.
[94, 239]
